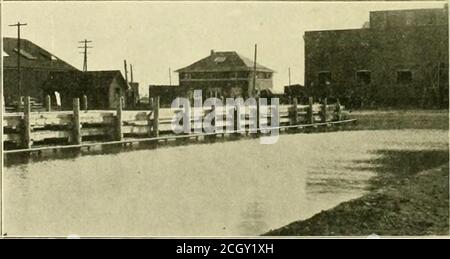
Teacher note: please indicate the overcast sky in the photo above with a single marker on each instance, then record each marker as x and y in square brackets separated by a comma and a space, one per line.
[156, 36]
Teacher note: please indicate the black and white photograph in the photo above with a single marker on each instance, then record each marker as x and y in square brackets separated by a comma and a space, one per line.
[225, 119]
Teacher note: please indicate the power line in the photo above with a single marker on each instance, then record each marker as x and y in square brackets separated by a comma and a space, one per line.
[85, 53]
[19, 77]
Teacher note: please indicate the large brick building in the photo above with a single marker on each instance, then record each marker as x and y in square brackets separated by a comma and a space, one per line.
[400, 59]
[225, 74]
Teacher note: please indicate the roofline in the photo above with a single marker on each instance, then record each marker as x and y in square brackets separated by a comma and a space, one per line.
[226, 70]
[338, 30]
[408, 10]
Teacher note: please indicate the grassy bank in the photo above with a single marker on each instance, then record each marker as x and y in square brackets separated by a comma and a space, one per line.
[409, 195]
[401, 119]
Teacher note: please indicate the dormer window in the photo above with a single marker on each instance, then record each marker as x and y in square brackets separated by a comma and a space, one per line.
[220, 59]
[49, 56]
[25, 54]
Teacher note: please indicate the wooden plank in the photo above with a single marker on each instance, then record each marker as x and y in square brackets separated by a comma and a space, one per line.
[294, 112]
[50, 119]
[50, 134]
[140, 130]
[97, 118]
[76, 122]
[95, 131]
[13, 122]
[48, 103]
[85, 103]
[155, 127]
[324, 110]
[118, 126]
[12, 137]
[338, 110]
[310, 116]
[26, 123]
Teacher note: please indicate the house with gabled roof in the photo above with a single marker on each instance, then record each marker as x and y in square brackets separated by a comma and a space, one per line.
[35, 64]
[225, 74]
[103, 89]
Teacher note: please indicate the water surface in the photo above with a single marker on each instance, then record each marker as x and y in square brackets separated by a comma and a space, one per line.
[221, 189]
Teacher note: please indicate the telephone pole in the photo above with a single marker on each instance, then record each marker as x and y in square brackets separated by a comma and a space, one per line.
[85, 48]
[19, 76]
[289, 76]
[254, 71]
[170, 76]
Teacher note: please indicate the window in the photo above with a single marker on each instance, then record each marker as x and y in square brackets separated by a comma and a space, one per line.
[220, 59]
[25, 54]
[324, 78]
[49, 56]
[185, 76]
[404, 76]
[363, 77]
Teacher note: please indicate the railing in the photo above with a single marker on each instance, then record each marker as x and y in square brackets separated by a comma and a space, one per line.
[28, 130]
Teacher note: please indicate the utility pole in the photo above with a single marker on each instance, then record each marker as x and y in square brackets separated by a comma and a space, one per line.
[254, 71]
[170, 76]
[125, 70]
[289, 76]
[85, 52]
[131, 73]
[19, 76]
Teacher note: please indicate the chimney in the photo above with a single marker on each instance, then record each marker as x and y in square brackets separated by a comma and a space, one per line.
[212, 52]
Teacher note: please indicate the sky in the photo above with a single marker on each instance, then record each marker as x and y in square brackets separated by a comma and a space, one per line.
[156, 36]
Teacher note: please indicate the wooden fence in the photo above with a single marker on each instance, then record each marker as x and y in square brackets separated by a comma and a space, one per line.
[27, 130]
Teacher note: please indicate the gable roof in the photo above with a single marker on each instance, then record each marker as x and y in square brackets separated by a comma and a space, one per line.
[83, 80]
[224, 61]
[32, 56]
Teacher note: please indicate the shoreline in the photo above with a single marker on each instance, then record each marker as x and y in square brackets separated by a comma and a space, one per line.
[408, 197]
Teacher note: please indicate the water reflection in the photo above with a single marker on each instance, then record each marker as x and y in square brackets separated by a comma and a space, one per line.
[221, 189]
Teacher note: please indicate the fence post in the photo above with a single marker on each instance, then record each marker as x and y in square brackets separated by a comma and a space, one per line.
[338, 110]
[20, 104]
[48, 103]
[257, 115]
[155, 125]
[310, 111]
[324, 110]
[76, 121]
[119, 134]
[27, 124]
[85, 103]
[295, 112]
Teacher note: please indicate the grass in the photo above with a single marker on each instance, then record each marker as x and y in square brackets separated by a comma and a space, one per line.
[402, 119]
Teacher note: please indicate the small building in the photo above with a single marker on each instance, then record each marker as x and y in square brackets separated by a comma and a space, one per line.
[225, 74]
[400, 58]
[166, 93]
[133, 95]
[296, 91]
[102, 88]
[36, 64]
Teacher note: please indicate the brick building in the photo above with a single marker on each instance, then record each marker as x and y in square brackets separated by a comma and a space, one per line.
[225, 74]
[399, 59]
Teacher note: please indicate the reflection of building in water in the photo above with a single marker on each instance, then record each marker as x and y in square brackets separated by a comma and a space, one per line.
[253, 220]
